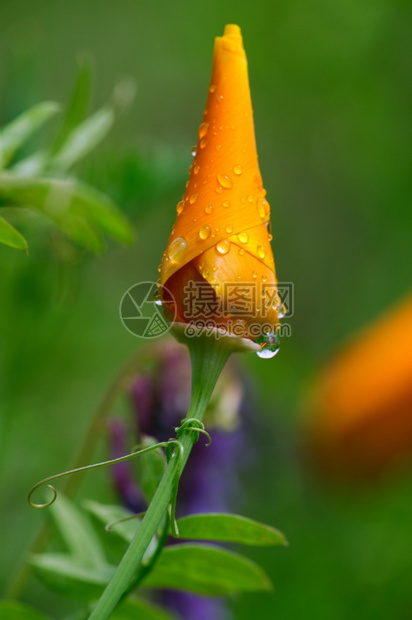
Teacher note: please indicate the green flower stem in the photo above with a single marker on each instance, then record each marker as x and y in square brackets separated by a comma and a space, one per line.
[208, 357]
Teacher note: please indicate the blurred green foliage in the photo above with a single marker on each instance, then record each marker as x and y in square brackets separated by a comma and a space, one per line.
[39, 181]
[331, 87]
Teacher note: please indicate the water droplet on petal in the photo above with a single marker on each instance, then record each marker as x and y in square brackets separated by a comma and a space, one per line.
[202, 143]
[224, 180]
[261, 208]
[264, 277]
[218, 147]
[243, 237]
[226, 204]
[203, 130]
[254, 275]
[280, 307]
[223, 246]
[281, 311]
[193, 199]
[209, 209]
[270, 345]
[229, 229]
[267, 354]
[237, 169]
[270, 237]
[193, 151]
[241, 251]
[205, 273]
[196, 170]
[212, 88]
[180, 206]
[177, 249]
[204, 232]
[261, 251]
[219, 189]
[250, 198]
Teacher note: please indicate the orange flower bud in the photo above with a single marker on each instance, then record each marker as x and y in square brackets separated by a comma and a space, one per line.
[221, 239]
[361, 405]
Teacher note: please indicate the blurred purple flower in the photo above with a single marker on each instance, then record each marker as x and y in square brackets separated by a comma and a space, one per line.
[193, 607]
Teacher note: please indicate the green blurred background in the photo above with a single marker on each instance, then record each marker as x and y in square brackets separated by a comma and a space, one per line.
[332, 93]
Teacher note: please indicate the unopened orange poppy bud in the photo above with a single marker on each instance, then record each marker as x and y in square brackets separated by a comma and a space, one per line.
[360, 413]
[218, 263]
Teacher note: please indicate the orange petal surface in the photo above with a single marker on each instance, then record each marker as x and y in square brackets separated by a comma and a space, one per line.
[221, 226]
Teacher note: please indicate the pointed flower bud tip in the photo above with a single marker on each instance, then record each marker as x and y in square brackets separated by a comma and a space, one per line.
[218, 262]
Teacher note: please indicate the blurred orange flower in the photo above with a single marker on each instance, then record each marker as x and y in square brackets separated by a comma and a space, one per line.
[221, 232]
[360, 412]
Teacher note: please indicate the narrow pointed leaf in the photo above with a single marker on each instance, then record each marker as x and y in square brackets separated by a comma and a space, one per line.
[67, 203]
[138, 608]
[10, 236]
[83, 139]
[123, 94]
[77, 107]
[77, 532]
[229, 528]
[16, 133]
[71, 576]
[206, 570]
[31, 166]
[11, 610]
[105, 514]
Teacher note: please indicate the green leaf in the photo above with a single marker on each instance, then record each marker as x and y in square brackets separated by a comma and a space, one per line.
[83, 139]
[150, 468]
[206, 570]
[229, 528]
[77, 533]
[30, 166]
[16, 133]
[123, 94]
[70, 576]
[108, 513]
[10, 236]
[77, 108]
[74, 207]
[134, 608]
[10, 610]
